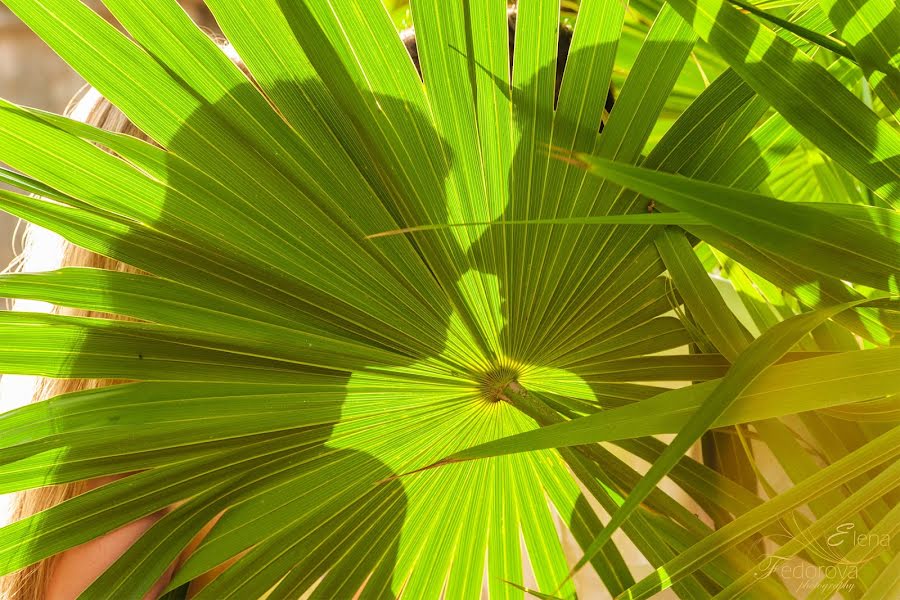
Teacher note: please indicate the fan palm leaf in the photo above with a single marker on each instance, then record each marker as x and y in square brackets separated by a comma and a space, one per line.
[296, 375]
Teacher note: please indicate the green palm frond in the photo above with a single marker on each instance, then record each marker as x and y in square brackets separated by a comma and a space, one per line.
[296, 370]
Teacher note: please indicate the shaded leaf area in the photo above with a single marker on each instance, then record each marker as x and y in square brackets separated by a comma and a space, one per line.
[870, 29]
[826, 113]
[275, 405]
[288, 371]
[818, 239]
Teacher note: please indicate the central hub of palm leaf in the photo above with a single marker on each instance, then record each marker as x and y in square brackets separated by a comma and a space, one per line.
[496, 382]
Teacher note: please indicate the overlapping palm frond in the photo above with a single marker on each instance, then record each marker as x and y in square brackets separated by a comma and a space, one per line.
[297, 375]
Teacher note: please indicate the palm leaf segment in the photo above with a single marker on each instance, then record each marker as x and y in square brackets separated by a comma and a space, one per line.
[288, 368]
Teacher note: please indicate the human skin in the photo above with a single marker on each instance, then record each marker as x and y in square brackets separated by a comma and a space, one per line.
[76, 568]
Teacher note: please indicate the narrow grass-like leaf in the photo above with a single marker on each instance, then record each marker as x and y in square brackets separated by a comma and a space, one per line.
[670, 218]
[700, 296]
[816, 239]
[887, 480]
[835, 45]
[870, 29]
[811, 383]
[764, 351]
[877, 452]
[824, 111]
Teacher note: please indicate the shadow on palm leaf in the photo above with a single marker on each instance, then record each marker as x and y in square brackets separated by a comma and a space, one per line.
[886, 84]
[565, 292]
[331, 522]
[321, 343]
[239, 417]
[730, 31]
[306, 509]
